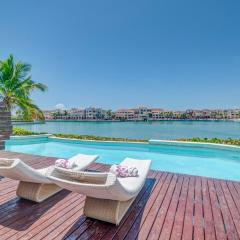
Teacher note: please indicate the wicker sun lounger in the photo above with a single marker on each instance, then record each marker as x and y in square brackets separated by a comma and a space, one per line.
[34, 185]
[108, 196]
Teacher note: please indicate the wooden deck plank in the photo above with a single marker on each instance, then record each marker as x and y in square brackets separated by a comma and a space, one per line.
[135, 211]
[189, 213]
[139, 220]
[25, 215]
[177, 230]
[198, 211]
[231, 206]
[217, 214]
[159, 221]
[137, 208]
[54, 213]
[227, 218]
[208, 215]
[171, 213]
[234, 194]
[169, 206]
[148, 222]
[237, 187]
[61, 220]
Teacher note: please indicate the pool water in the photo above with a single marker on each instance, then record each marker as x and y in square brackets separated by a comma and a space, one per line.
[200, 161]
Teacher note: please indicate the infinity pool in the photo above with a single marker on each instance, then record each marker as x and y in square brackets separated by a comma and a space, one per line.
[194, 160]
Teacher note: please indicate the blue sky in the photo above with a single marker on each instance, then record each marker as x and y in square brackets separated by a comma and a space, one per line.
[165, 53]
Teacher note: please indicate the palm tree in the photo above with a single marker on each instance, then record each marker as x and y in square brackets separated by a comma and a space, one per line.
[16, 86]
[109, 114]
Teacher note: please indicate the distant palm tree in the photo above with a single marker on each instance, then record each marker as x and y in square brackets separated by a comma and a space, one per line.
[16, 86]
[109, 114]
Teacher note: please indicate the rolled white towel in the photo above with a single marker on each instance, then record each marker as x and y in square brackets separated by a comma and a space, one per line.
[63, 163]
[124, 171]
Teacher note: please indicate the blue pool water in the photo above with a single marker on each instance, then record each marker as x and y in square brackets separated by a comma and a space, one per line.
[201, 161]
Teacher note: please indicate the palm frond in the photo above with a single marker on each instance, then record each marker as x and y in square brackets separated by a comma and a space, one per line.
[16, 86]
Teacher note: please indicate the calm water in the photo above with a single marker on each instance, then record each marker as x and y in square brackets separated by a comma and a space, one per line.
[143, 130]
[217, 163]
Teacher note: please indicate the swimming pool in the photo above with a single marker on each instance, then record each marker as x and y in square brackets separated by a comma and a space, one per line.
[195, 160]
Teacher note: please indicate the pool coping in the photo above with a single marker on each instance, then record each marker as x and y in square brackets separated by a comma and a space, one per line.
[197, 144]
[22, 137]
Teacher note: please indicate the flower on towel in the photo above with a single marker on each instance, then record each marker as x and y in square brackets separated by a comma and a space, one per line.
[126, 171]
[63, 163]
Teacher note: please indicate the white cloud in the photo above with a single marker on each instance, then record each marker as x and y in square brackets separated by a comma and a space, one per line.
[60, 106]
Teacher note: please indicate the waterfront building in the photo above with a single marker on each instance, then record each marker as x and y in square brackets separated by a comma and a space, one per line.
[140, 114]
[126, 114]
[77, 114]
[95, 113]
[157, 113]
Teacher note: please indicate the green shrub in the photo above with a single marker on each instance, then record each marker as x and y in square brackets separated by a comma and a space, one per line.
[22, 132]
[229, 141]
[97, 138]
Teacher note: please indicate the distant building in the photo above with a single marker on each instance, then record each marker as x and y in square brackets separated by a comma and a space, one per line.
[95, 113]
[157, 113]
[77, 114]
[126, 114]
[143, 113]
[48, 114]
[140, 114]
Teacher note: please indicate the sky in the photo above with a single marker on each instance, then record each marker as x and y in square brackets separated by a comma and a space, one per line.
[114, 54]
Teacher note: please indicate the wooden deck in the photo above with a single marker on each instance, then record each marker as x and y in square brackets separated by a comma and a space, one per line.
[170, 206]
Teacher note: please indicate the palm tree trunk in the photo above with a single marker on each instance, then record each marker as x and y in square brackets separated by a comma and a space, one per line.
[5, 125]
